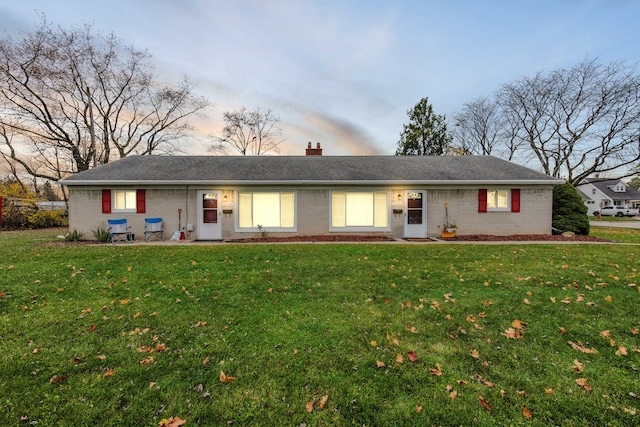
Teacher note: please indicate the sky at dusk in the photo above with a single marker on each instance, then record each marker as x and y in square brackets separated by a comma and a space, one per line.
[345, 72]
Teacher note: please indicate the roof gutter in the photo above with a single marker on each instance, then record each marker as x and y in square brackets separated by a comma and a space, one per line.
[310, 183]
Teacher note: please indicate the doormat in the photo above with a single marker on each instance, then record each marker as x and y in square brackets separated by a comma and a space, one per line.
[419, 239]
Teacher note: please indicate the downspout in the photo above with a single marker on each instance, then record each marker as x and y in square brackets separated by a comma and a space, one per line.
[186, 209]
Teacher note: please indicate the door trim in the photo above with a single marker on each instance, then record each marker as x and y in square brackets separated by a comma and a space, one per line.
[415, 230]
[209, 231]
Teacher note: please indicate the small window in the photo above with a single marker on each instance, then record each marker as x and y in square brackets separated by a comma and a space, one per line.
[497, 199]
[124, 200]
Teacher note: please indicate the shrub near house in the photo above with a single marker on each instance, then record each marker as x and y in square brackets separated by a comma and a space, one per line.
[569, 211]
[24, 214]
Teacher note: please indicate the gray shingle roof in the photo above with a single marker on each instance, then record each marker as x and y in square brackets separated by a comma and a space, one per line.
[606, 187]
[308, 170]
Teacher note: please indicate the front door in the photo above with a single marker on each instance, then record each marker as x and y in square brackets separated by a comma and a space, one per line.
[415, 222]
[209, 215]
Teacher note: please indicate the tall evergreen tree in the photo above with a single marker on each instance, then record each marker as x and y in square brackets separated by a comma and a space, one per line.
[425, 134]
[569, 211]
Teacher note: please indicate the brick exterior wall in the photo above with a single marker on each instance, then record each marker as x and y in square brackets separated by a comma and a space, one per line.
[534, 216]
[313, 212]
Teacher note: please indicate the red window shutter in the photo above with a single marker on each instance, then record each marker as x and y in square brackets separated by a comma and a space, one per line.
[140, 201]
[106, 201]
[515, 200]
[482, 200]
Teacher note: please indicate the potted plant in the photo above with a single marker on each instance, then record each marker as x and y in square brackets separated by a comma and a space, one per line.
[448, 229]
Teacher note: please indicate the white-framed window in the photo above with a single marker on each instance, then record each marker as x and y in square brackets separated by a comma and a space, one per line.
[124, 200]
[269, 210]
[359, 210]
[497, 200]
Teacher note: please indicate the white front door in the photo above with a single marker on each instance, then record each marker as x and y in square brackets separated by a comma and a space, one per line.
[209, 215]
[415, 217]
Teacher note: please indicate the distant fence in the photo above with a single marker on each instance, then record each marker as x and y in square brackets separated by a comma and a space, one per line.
[51, 205]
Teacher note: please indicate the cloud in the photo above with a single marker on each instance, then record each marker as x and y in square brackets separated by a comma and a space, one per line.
[339, 135]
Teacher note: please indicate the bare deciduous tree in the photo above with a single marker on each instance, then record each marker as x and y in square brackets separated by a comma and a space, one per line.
[577, 121]
[60, 88]
[250, 133]
[478, 127]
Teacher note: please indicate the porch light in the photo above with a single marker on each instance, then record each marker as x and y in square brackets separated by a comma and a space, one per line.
[397, 204]
[227, 205]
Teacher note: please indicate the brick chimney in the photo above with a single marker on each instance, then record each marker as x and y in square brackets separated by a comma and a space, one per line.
[314, 151]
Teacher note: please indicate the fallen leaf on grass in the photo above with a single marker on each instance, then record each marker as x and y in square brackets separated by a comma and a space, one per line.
[172, 422]
[56, 379]
[413, 356]
[110, 372]
[548, 391]
[581, 348]
[92, 328]
[482, 401]
[310, 406]
[475, 354]
[399, 358]
[485, 382]
[622, 351]
[517, 324]
[605, 333]
[226, 379]
[453, 394]
[418, 409]
[608, 298]
[147, 361]
[526, 413]
[205, 361]
[512, 333]
[380, 364]
[436, 371]
[323, 401]
[577, 366]
[583, 383]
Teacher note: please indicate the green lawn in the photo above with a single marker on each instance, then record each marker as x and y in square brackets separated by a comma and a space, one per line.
[314, 334]
[622, 235]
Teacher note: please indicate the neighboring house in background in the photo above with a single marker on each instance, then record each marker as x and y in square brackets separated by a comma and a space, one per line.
[598, 193]
[230, 197]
